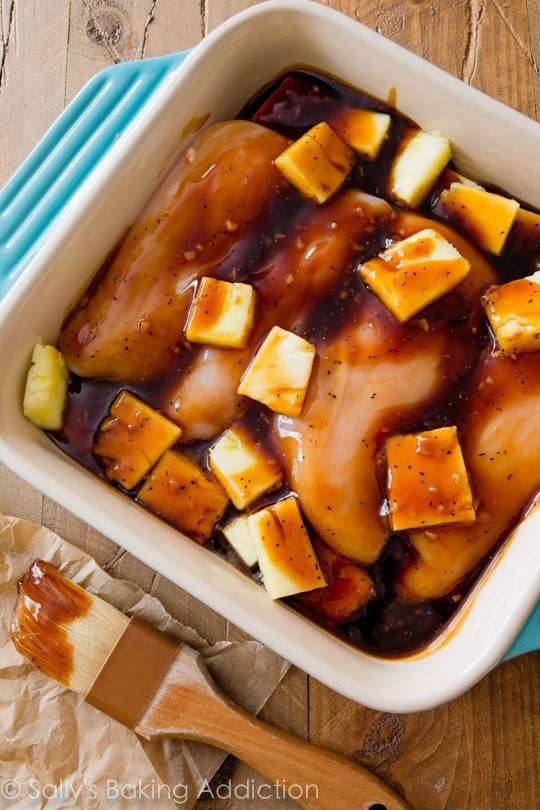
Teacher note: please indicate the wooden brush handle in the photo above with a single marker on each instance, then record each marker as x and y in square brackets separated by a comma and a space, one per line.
[188, 705]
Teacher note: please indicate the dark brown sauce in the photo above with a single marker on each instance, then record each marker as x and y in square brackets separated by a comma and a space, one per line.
[46, 604]
[292, 104]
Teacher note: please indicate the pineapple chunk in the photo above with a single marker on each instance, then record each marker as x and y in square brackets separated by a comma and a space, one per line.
[45, 395]
[132, 438]
[278, 375]
[417, 166]
[415, 272]
[530, 222]
[450, 176]
[427, 482]
[513, 311]
[239, 536]
[286, 557]
[486, 216]
[317, 163]
[363, 130]
[221, 314]
[242, 467]
[179, 491]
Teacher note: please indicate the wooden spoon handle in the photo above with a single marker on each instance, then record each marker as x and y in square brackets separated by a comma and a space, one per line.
[190, 706]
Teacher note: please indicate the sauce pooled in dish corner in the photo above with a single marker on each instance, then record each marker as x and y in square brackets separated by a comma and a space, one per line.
[316, 352]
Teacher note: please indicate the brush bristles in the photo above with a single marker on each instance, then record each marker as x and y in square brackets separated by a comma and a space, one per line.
[63, 629]
[92, 638]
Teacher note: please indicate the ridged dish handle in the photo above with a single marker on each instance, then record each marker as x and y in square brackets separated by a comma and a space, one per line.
[68, 153]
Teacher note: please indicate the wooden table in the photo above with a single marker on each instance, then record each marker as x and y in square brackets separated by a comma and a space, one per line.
[482, 751]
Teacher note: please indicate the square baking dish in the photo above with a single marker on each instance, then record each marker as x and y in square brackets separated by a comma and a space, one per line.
[491, 142]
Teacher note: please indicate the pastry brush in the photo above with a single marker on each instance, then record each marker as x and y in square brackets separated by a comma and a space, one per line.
[160, 688]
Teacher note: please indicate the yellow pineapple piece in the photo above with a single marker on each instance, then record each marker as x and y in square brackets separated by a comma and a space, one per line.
[239, 536]
[243, 467]
[179, 491]
[132, 438]
[221, 314]
[278, 375]
[427, 482]
[45, 395]
[485, 216]
[417, 165]
[363, 130]
[513, 311]
[317, 163]
[414, 272]
[529, 220]
[286, 557]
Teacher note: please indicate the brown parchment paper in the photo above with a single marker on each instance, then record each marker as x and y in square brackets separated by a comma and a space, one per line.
[58, 752]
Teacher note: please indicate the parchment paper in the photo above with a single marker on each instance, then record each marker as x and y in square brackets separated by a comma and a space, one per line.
[58, 752]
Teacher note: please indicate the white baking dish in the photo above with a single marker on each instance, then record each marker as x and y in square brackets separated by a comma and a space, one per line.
[490, 141]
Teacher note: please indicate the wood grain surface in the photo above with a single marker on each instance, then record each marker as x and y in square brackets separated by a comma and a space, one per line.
[481, 751]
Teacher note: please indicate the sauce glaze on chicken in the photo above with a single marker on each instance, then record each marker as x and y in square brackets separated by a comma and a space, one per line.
[225, 211]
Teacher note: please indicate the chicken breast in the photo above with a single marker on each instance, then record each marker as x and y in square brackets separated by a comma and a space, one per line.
[500, 445]
[316, 254]
[374, 377]
[129, 326]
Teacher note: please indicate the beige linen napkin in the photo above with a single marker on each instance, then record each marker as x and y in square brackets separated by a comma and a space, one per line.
[58, 752]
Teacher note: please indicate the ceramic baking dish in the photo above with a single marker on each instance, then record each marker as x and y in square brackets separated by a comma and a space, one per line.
[490, 141]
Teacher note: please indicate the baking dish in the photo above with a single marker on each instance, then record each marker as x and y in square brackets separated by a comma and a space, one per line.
[214, 81]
